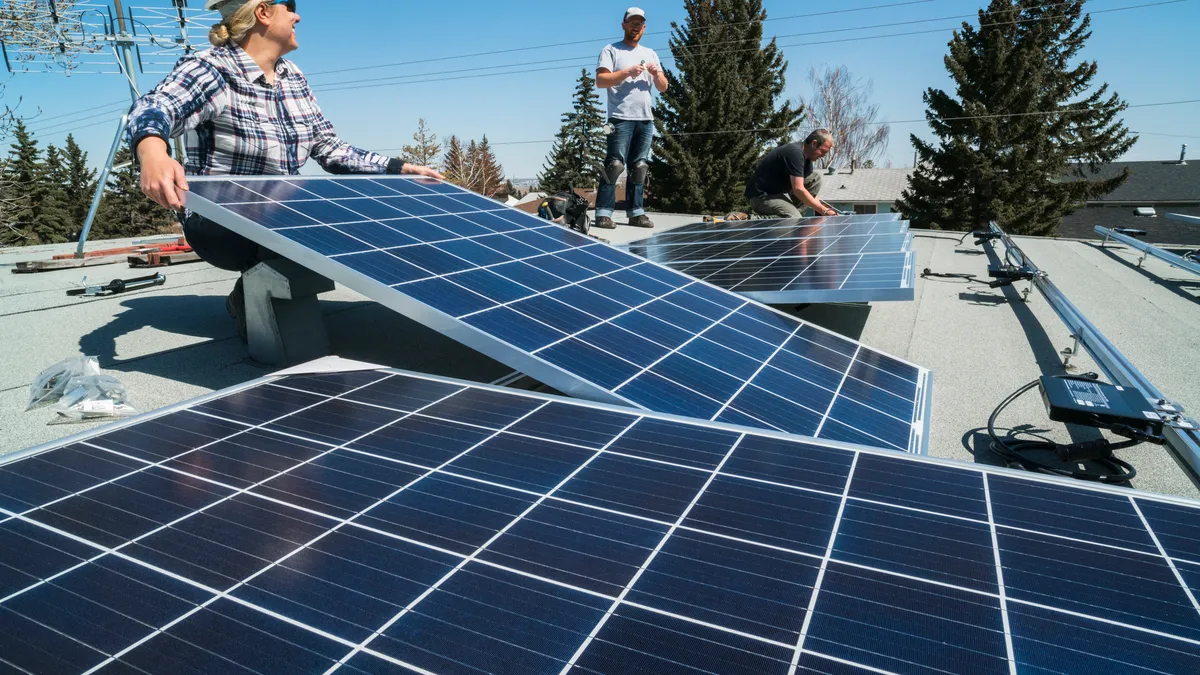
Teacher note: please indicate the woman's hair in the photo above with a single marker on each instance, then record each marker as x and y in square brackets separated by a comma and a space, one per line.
[235, 28]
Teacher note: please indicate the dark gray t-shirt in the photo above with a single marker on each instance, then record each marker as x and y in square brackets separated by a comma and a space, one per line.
[774, 173]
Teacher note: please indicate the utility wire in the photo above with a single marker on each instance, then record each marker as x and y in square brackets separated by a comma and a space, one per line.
[890, 122]
[388, 82]
[705, 47]
[607, 37]
[352, 85]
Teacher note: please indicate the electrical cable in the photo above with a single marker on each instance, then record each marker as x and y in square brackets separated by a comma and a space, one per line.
[1017, 452]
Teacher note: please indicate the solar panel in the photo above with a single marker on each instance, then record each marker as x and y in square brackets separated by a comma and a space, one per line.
[782, 262]
[583, 317]
[386, 522]
[772, 223]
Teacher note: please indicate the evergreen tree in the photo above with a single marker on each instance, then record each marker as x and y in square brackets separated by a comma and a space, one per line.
[1036, 123]
[17, 186]
[125, 211]
[425, 148]
[727, 83]
[490, 175]
[52, 217]
[577, 157]
[80, 183]
[455, 162]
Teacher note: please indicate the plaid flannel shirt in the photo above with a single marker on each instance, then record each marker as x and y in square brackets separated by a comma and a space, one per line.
[233, 122]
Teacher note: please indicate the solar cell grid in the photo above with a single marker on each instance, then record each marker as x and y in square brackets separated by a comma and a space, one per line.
[585, 318]
[723, 550]
[788, 262]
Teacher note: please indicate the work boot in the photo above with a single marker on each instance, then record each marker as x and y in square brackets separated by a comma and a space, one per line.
[235, 306]
[604, 223]
[640, 221]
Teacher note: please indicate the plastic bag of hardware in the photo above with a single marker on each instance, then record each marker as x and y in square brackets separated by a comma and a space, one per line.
[92, 397]
[51, 384]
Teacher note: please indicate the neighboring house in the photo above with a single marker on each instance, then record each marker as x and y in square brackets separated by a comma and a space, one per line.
[864, 191]
[1153, 190]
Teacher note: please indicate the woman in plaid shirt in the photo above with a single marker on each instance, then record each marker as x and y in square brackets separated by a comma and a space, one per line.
[243, 110]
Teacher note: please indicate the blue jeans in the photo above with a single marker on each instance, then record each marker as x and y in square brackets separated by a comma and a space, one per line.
[629, 143]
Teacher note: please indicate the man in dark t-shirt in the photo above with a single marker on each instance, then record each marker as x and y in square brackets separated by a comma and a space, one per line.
[785, 180]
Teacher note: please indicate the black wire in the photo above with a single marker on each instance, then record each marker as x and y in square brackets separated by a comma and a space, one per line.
[1119, 470]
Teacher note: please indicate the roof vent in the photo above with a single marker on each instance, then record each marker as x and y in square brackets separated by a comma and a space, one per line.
[832, 170]
[1183, 154]
[1145, 212]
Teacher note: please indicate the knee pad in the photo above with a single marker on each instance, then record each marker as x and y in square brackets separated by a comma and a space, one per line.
[613, 168]
[637, 175]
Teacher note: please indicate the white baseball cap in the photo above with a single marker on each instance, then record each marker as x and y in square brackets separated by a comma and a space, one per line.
[633, 11]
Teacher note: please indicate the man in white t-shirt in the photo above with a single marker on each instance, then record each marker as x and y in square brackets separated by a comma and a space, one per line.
[628, 71]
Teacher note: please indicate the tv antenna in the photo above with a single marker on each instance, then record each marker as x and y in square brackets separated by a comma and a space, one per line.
[72, 36]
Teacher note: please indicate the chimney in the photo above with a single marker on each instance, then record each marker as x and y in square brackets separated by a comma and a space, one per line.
[1183, 154]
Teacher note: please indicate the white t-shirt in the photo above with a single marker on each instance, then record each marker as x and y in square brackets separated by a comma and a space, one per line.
[631, 99]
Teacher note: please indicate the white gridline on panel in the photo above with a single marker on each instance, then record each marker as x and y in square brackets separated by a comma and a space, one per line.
[447, 277]
[882, 571]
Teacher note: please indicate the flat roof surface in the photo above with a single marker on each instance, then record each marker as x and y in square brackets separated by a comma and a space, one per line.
[174, 342]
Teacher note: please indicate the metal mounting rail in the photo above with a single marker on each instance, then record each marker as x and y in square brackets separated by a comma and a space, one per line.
[1146, 249]
[1183, 442]
[1194, 220]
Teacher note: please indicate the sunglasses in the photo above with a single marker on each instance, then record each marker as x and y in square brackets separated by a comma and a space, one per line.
[290, 4]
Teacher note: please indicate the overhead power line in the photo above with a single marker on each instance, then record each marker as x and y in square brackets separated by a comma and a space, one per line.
[890, 122]
[606, 37]
[579, 61]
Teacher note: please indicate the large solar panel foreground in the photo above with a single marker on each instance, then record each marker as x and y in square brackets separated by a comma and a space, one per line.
[839, 259]
[384, 522]
[583, 317]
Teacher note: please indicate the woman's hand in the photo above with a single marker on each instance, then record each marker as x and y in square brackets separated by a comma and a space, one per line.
[414, 170]
[162, 176]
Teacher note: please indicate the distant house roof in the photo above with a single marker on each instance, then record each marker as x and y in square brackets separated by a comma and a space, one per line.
[1159, 230]
[864, 185]
[531, 197]
[1153, 182]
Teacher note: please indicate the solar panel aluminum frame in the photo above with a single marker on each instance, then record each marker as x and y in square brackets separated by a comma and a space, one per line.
[1184, 444]
[464, 333]
[1148, 249]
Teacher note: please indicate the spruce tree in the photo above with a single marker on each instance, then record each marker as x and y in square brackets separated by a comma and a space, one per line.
[577, 157]
[52, 218]
[1025, 127]
[490, 175]
[80, 182]
[455, 162]
[727, 83]
[19, 182]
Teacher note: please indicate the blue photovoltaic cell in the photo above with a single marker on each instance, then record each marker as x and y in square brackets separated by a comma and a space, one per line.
[484, 530]
[846, 259]
[587, 318]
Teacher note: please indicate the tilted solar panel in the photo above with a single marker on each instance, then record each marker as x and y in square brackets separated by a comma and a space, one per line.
[583, 317]
[387, 522]
[791, 262]
[770, 229]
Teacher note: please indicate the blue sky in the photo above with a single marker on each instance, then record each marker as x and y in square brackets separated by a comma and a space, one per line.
[1144, 54]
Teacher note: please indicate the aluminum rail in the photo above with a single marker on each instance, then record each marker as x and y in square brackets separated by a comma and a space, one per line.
[1179, 217]
[1183, 442]
[1147, 249]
